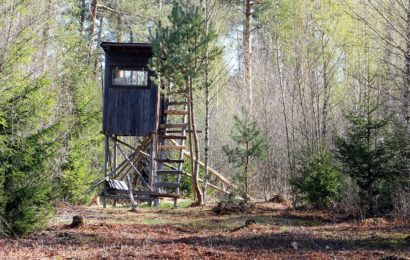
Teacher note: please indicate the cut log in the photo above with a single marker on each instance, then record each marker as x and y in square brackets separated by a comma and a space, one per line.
[176, 112]
[167, 185]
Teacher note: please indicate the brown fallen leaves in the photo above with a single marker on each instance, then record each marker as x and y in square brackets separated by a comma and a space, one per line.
[197, 233]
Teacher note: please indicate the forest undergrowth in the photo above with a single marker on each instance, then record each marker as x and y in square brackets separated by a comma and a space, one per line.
[275, 231]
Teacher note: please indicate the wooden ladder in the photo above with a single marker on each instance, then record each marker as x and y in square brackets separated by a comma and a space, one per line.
[171, 139]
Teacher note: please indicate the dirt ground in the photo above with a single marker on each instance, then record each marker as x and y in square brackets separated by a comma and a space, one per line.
[197, 233]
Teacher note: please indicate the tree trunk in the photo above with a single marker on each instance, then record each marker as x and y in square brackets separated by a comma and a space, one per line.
[82, 16]
[134, 204]
[247, 44]
[284, 112]
[46, 31]
[120, 35]
[326, 91]
[194, 150]
[98, 41]
[206, 177]
[91, 31]
[406, 90]
[245, 197]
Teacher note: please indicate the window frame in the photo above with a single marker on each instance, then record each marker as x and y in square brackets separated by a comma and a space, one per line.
[129, 68]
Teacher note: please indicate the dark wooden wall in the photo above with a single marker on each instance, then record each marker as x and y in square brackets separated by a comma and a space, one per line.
[128, 110]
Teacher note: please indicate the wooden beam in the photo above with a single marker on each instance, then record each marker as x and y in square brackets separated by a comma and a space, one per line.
[180, 137]
[133, 166]
[166, 172]
[176, 112]
[210, 169]
[181, 125]
[171, 147]
[189, 175]
[106, 147]
[177, 103]
[110, 174]
[169, 160]
[166, 184]
[182, 131]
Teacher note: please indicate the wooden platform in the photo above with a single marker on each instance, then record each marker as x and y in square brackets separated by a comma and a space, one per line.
[117, 189]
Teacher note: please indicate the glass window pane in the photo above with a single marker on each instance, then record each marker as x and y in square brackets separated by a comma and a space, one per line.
[130, 77]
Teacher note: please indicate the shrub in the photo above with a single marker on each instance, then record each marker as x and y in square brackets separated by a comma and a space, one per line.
[25, 203]
[371, 155]
[318, 181]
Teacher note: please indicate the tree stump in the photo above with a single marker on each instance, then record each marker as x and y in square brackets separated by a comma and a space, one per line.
[250, 222]
[78, 221]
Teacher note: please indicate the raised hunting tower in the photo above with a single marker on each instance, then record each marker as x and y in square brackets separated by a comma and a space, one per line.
[136, 128]
[145, 128]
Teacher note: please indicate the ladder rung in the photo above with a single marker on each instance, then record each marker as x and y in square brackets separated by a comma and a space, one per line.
[180, 137]
[177, 103]
[176, 112]
[180, 131]
[167, 184]
[165, 172]
[182, 125]
[171, 147]
[169, 160]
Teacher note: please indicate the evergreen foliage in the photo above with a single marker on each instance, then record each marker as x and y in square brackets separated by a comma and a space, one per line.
[26, 143]
[319, 180]
[80, 161]
[179, 49]
[368, 156]
[250, 144]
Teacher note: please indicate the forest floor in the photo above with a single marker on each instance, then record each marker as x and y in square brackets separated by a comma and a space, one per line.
[198, 233]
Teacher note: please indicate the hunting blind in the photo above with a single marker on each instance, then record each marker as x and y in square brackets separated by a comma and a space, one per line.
[146, 129]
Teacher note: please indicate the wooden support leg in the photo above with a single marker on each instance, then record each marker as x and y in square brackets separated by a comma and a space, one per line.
[152, 164]
[107, 143]
[115, 164]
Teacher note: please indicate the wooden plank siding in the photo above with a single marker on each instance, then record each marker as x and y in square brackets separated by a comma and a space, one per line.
[128, 110]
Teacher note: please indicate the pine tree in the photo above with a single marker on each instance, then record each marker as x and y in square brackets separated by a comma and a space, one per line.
[250, 144]
[180, 51]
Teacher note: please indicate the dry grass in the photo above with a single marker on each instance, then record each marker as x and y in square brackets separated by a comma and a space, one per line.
[116, 233]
